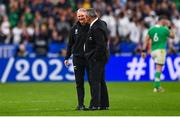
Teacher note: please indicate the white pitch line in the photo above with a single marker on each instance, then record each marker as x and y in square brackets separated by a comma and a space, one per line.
[32, 101]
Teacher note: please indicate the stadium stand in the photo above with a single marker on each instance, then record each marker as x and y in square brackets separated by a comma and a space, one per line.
[45, 24]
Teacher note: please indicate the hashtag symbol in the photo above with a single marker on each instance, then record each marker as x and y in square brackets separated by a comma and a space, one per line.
[136, 69]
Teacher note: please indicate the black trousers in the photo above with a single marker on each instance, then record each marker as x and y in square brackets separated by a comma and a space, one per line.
[80, 65]
[99, 92]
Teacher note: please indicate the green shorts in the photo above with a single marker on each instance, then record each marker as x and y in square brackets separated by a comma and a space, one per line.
[159, 56]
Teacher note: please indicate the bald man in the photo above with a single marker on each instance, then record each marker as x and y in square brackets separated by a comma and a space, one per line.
[75, 47]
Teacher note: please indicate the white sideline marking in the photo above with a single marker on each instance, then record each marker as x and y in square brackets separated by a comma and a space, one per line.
[7, 70]
[33, 101]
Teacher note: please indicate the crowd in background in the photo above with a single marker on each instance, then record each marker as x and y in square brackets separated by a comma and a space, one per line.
[43, 22]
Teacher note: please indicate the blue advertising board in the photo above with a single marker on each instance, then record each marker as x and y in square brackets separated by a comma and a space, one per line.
[121, 68]
[135, 68]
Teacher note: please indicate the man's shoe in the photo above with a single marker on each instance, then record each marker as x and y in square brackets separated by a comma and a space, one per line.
[81, 108]
[94, 108]
[104, 108]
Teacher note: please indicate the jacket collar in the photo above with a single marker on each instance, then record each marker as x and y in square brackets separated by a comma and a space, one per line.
[93, 22]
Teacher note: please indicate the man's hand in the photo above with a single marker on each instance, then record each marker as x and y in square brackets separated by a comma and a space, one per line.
[66, 63]
[143, 54]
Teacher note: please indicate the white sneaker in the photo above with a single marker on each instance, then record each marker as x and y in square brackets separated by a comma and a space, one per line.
[155, 90]
[160, 89]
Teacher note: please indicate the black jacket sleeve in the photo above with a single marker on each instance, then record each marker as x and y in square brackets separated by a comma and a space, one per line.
[100, 41]
[70, 45]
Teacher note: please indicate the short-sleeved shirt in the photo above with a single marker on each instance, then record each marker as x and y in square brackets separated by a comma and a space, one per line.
[159, 35]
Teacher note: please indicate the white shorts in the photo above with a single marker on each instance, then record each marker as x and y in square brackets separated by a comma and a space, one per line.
[159, 56]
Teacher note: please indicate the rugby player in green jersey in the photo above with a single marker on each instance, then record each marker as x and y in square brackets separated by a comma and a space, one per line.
[157, 37]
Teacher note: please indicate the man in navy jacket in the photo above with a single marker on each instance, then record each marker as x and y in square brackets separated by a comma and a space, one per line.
[97, 54]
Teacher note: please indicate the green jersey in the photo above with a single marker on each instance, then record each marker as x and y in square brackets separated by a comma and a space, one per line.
[159, 35]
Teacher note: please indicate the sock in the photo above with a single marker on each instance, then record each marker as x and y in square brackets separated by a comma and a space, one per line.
[157, 79]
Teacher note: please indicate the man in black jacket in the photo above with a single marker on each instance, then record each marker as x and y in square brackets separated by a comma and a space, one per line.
[97, 54]
[76, 42]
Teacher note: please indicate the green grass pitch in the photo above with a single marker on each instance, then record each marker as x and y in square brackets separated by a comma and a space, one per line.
[60, 99]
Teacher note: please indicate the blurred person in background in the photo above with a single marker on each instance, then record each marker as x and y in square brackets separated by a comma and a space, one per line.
[5, 30]
[21, 51]
[86, 4]
[111, 21]
[14, 13]
[109, 18]
[2, 10]
[123, 23]
[135, 31]
[175, 44]
[17, 33]
[28, 16]
[41, 40]
[75, 46]
[158, 36]
[62, 25]
[99, 5]
[30, 33]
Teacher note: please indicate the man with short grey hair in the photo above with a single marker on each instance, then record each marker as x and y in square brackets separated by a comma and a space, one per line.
[76, 42]
[97, 55]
